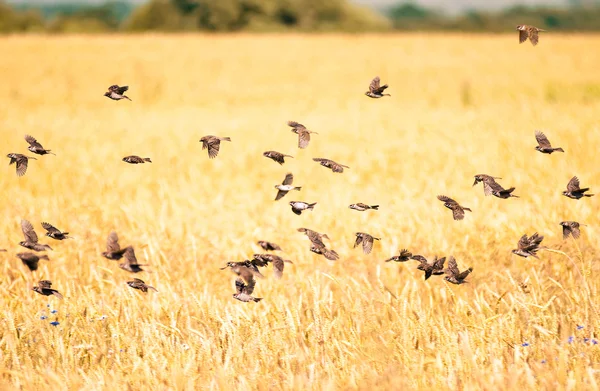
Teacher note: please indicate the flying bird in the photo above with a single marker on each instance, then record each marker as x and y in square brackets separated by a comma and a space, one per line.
[286, 186]
[268, 246]
[276, 260]
[133, 159]
[570, 228]
[362, 207]
[213, 143]
[299, 206]
[404, 256]
[21, 162]
[574, 191]
[54, 233]
[245, 267]
[491, 187]
[276, 156]
[528, 246]
[302, 132]
[136, 283]
[31, 260]
[116, 93]
[44, 287]
[335, 167]
[435, 268]
[314, 236]
[31, 238]
[113, 251]
[544, 145]
[320, 249]
[244, 289]
[131, 264]
[36, 147]
[458, 211]
[375, 90]
[530, 32]
[366, 240]
[455, 276]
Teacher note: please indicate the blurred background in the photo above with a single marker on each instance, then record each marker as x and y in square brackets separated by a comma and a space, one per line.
[95, 16]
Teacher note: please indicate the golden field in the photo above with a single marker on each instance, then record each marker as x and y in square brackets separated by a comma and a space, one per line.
[461, 105]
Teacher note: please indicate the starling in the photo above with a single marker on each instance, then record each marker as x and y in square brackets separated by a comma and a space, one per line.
[458, 211]
[245, 267]
[314, 236]
[276, 156]
[31, 238]
[244, 289]
[286, 186]
[31, 260]
[491, 187]
[302, 132]
[113, 251]
[570, 228]
[213, 143]
[544, 145]
[362, 207]
[45, 288]
[299, 206]
[455, 276]
[366, 240]
[375, 90]
[116, 93]
[277, 261]
[320, 249]
[131, 264]
[435, 268]
[36, 147]
[530, 32]
[335, 167]
[573, 190]
[404, 256]
[136, 159]
[268, 246]
[528, 246]
[21, 161]
[54, 233]
[136, 283]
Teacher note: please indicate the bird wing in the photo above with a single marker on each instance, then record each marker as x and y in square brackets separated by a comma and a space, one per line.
[336, 167]
[542, 140]
[296, 125]
[50, 228]
[573, 184]
[464, 274]
[452, 267]
[278, 266]
[213, 147]
[280, 195]
[22, 163]
[374, 86]
[439, 263]
[29, 232]
[523, 36]
[359, 239]
[419, 258]
[239, 285]
[533, 36]
[367, 244]
[575, 230]
[404, 253]
[523, 242]
[449, 200]
[458, 213]
[315, 238]
[45, 284]
[33, 142]
[112, 243]
[331, 255]
[566, 231]
[130, 256]
[289, 178]
[303, 138]
[490, 186]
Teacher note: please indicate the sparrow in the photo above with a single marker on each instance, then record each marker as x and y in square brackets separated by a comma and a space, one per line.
[570, 228]
[320, 249]
[314, 236]
[246, 269]
[131, 264]
[404, 256]
[31, 238]
[136, 159]
[213, 143]
[458, 211]
[116, 93]
[44, 288]
[366, 240]
[528, 246]
[136, 283]
[302, 132]
[31, 260]
[530, 32]
[362, 207]
[455, 276]
[299, 206]
[544, 145]
[276, 156]
[113, 251]
[244, 289]
[268, 246]
[277, 261]
[36, 147]
[335, 167]
[21, 161]
[286, 186]
[435, 268]
[55, 233]
[574, 191]
[491, 187]
[375, 90]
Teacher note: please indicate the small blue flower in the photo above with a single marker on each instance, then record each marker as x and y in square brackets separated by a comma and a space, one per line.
[543, 361]
[571, 339]
[121, 350]
[594, 342]
[53, 311]
[586, 340]
[48, 305]
[525, 344]
[579, 327]
[43, 317]
[55, 323]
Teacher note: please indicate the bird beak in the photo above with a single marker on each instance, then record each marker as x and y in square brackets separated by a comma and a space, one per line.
[223, 268]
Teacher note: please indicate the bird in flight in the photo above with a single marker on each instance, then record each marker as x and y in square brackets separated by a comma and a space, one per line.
[366, 240]
[213, 143]
[528, 246]
[117, 93]
[36, 147]
[458, 211]
[302, 132]
[299, 206]
[133, 159]
[31, 238]
[435, 268]
[44, 287]
[362, 207]
[286, 186]
[530, 32]
[21, 162]
[570, 228]
[491, 187]
[54, 233]
[276, 156]
[574, 191]
[268, 246]
[375, 89]
[113, 251]
[544, 145]
[276, 260]
[404, 256]
[455, 276]
[335, 167]
[131, 264]
[136, 283]
[31, 260]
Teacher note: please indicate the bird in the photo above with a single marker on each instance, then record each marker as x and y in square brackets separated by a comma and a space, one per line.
[570, 228]
[528, 246]
[375, 90]
[320, 249]
[116, 93]
[286, 186]
[2, 250]
[530, 32]
[244, 289]
[314, 236]
[132, 159]
[245, 267]
[455, 276]
[213, 143]
[435, 268]
[31, 260]
[268, 246]
[574, 191]
[404, 256]
[54, 233]
[131, 264]
[21, 160]
[36, 147]
[366, 240]
[136, 283]
[113, 251]
[31, 238]
[44, 287]
[362, 207]
[302, 132]
[246, 280]
[299, 206]
[276, 156]
[458, 211]
[544, 145]
[276, 260]
[491, 187]
[335, 167]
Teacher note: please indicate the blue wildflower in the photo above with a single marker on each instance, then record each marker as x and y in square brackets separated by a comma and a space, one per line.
[543, 361]
[53, 311]
[525, 344]
[55, 323]
[594, 342]
[571, 339]
[43, 317]
[586, 340]
[579, 327]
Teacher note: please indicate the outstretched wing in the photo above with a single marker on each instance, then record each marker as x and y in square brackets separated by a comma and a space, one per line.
[303, 138]
[445, 199]
[523, 36]
[112, 243]
[523, 242]
[22, 163]
[213, 147]
[458, 213]
[289, 178]
[29, 232]
[50, 228]
[359, 239]
[367, 244]
[280, 195]
[296, 125]
[374, 86]
[542, 140]
[33, 142]
[573, 184]
[452, 269]
[533, 36]
[130, 256]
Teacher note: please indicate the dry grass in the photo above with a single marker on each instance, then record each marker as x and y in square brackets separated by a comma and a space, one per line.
[460, 106]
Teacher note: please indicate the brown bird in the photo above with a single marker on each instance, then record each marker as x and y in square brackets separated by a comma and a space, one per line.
[31, 260]
[530, 32]
[362, 207]
[574, 191]
[132, 159]
[366, 240]
[276, 156]
[22, 162]
[246, 281]
[455, 276]
[244, 289]
[302, 132]
[131, 264]
[277, 261]
[314, 236]
[404, 256]
[136, 283]
[375, 90]
[54, 233]
[31, 238]
[36, 147]
[116, 93]
[458, 211]
[544, 145]
[113, 251]
[335, 167]
[2, 250]
[435, 268]
[213, 143]
[320, 249]
[299, 206]
[245, 267]
[491, 187]
[528, 246]
[571, 228]
[44, 287]
[268, 246]
[286, 186]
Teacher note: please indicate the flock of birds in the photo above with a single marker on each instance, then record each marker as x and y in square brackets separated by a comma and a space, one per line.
[248, 271]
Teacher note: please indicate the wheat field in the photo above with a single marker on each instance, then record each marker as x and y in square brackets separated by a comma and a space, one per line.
[461, 105]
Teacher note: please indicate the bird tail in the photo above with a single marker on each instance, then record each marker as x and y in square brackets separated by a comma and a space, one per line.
[312, 206]
[44, 257]
[298, 188]
[467, 209]
[376, 207]
[558, 149]
[50, 152]
[147, 159]
[588, 195]
[257, 299]
[288, 156]
[127, 98]
[225, 138]
[385, 94]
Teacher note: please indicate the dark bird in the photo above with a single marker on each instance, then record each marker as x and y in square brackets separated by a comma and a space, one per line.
[268, 246]
[455, 276]
[36, 147]
[116, 93]
[366, 240]
[286, 186]
[131, 264]
[276, 156]
[491, 187]
[21, 160]
[362, 207]
[276, 260]
[31, 238]
[246, 281]
[570, 228]
[244, 289]
[44, 287]
[314, 236]
[335, 167]
[113, 251]
[31, 260]
[136, 159]
[213, 143]
[375, 90]
[528, 246]
[435, 268]
[299, 206]
[404, 256]
[320, 249]
[458, 211]
[245, 267]
[530, 32]
[574, 191]
[54, 233]
[136, 283]
[302, 132]
[544, 145]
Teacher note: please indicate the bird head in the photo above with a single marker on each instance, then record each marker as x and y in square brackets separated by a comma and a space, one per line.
[477, 180]
[352, 206]
[521, 27]
[565, 193]
[367, 93]
[107, 93]
[229, 264]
